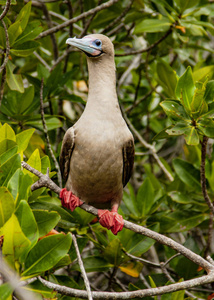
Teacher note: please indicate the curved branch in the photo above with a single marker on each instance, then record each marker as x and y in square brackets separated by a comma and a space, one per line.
[149, 48]
[130, 295]
[45, 181]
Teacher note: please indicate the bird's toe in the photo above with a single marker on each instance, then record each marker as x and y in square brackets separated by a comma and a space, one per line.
[69, 200]
[111, 220]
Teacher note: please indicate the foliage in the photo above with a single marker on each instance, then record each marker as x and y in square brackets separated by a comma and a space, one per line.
[167, 93]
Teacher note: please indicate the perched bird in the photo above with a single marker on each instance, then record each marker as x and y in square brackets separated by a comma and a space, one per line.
[97, 152]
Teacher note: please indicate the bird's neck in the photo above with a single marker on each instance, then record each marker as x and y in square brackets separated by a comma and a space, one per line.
[102, 84]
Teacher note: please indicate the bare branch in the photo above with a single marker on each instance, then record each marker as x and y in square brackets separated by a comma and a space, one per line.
[84, 275]
[203, 175]
[75, 19]
[6, 9]
[134, 294]
[47, 136]
[42, 61]
[149, 48]
[112, 24]
[7, 47]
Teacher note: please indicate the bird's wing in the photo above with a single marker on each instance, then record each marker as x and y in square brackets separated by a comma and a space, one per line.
[66, 152]
[128, 160]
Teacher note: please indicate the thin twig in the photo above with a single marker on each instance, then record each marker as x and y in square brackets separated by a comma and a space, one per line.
[42, 61]
[7, 47]
[47, 136]
[148, 48]
[112, 24]
[6, 9]
[142, 260]
[84, 275]
[89, 22]
[203, 175]
[45, 181]
[75, 19]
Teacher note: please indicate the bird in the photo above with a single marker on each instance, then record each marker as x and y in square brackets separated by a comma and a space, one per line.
[97, 153]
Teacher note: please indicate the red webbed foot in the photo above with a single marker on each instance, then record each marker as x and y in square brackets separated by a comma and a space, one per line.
[111, 220]
[69, 200]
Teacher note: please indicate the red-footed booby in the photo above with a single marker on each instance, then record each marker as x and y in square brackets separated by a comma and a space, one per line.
[97, 152]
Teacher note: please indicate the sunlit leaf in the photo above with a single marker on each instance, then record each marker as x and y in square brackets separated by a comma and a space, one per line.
[46, 253]
[6, 205]
[152, 25]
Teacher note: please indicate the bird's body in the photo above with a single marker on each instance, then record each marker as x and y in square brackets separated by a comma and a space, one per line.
[98, 151]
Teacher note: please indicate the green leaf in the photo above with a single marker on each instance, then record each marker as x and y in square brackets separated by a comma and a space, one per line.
[15, 242]
[6, 132]
[39, 288]
[19, 26]
[32, 30]
[187, 173]
[51, 122]
[185, 89]
[167, 78]
[46, 253]
[25, 49]
[7, 149]
[185, 4]
[174, 110]
[35, 162]
[46, 220]
[153, 25]
[203, 73]
[180, 221]
[9, 168]
[27, 222]
[14, 81]
[145, 198]
[209, 92]
[6, 205]
[23, 139]
[137, 244]
[93, 264]
[113, 252]
[20, 185]
[180, 197]
[5, 288]
[191, 136]
[179, 128]
[206, 126]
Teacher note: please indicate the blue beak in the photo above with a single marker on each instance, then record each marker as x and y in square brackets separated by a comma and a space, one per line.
[85, 44]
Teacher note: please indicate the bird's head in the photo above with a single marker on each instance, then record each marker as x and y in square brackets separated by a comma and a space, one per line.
[93, 45]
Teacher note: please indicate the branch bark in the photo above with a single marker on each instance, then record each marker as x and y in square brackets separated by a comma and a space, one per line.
[130, 295]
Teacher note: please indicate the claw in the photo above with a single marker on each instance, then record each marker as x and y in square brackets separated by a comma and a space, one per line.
[69, 200]
[111, 220]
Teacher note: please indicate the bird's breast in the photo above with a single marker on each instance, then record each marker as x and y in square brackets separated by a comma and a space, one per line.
[96, 164]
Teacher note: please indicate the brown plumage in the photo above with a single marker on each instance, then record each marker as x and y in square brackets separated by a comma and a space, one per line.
[97, 153]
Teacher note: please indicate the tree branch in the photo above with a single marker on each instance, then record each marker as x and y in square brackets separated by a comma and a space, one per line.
[7, 47]
[75, 19]
[85, 278]
[47, 136]
[148, 48]
[203, 175]
[6, 9]
[134, 294]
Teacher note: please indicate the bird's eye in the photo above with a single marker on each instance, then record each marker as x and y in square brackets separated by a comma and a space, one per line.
[98, 43]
